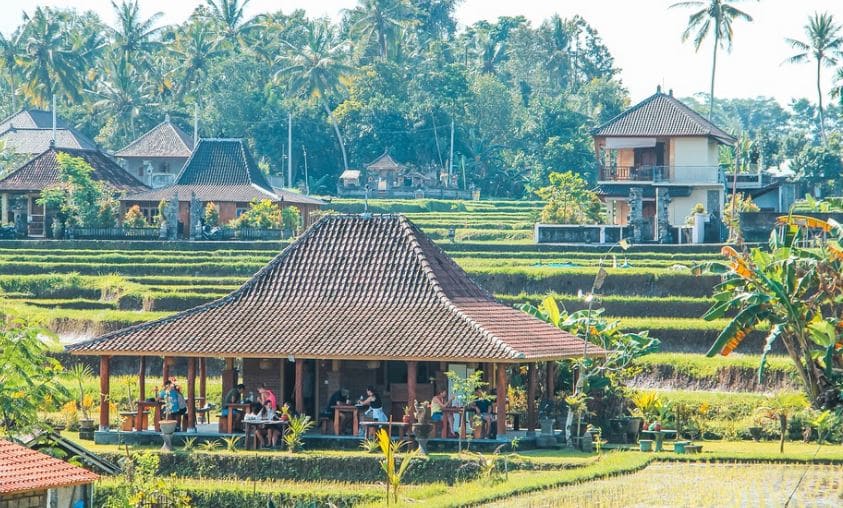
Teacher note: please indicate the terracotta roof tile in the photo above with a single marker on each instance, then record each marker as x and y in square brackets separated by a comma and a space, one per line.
[352, 287]
[26, 470]
[42, 172]
[661, 115]
[33, 141]
[32, 119]
[164, 140]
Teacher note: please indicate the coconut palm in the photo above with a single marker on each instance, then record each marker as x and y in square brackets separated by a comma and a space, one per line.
[229, 16]
[10, 48]
[824, 46]
[134, 35]
[121, 95]
[381, 22]
[716, 17]
[195, 47]
[316, 69]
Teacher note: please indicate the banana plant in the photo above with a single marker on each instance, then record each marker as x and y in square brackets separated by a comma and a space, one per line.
[793, 292]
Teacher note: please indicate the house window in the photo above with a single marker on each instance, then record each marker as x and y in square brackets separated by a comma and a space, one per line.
[241, 211]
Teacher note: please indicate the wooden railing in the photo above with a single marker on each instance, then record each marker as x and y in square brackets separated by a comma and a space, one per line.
[634, 173]
[115, 233]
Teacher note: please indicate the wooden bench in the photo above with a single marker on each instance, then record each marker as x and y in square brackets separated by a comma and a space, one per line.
[370, 428]
[325, 424]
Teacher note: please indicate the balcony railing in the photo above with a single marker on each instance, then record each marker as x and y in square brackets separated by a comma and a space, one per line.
[661, 174]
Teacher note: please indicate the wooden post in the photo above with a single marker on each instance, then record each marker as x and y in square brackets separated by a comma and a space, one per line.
[191, 393]
[141, 393]
[165, 372]
[531, 399]
[105, 385]
[551, 380]
[228, 376]
[203, 374]
[317, 383]
[299, 385]
[412, 376]
[501, 399]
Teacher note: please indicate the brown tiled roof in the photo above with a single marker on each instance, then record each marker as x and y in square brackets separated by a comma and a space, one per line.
[661, 115]
[352, 287]
[26, 470]
[42, 172]
[222, 170]
[32, 119]
[384, 162]
[164, 140]
[33, 141]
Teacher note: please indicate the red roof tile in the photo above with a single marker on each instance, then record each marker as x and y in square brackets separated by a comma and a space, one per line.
[164, 140]
[26, 470]
[352, 287]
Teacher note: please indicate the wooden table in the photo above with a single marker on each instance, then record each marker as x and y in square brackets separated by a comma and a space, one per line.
[140, 419]
[250, 427]
[658, 437]
[231, 407]
[345, 408]
[448, 413]
[371, 428]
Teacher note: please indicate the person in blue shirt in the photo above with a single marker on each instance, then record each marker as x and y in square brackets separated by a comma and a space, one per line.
[170, 397]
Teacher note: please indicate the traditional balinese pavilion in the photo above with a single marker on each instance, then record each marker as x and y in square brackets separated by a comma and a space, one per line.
[156, 157]
[221, 171]
[356, 301]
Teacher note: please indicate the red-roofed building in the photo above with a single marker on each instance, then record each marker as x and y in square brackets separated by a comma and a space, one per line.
[355, 301]
[31, 479]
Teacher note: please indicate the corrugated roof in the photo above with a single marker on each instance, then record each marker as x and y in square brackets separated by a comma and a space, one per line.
[352, 287]
[384, 162]
[33, 141]
[26, 470]
[661, 115]
[42, 172]
[164, 140]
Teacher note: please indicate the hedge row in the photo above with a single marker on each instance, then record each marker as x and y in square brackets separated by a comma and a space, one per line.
[622, 306]
[201, 268]
[164, 301]
[622, 283]
[145, 245]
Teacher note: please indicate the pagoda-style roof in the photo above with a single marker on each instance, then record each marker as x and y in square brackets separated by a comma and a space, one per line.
[383, 163]
[42, 172]
[222, 170]
[661, 115]
[25, 470]
[164, 140]
[353, 287]
[32, 119]
[29, 131]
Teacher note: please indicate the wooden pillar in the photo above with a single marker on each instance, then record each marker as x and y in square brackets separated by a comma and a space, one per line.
[299, 385]
[551, 380]
[412, 376]
[531, 399]
[191, 393]
[105, 385]
[141, 393]
[317, 383]
[165, 371]
[203, 375]
[228, 376]
[501, 399]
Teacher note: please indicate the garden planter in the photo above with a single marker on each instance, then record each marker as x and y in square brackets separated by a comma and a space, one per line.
[679, 446]
[168, 428]
[646, 445]
[86, 429]
[422, 433]
[755, 432]
[546, 425]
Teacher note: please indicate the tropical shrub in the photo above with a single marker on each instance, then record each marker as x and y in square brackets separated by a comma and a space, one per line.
[263, 214]
[569, 200]
[298, 426]
[394, 472]
[291, 218]
[212, 215]
[78, 198]
[134, 218]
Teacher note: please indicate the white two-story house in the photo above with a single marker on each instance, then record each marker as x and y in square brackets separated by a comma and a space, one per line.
[656, 161]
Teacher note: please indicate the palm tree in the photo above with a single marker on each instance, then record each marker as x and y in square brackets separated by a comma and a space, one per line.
[229, 16]
[133, 34]
[715, 16]
[10, 48]
[316, 68]
[824, 46]
[381, 21]
[121, 95]
[195, 47]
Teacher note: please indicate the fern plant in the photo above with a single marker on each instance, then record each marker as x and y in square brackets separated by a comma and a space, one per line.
[370, 445]
[210, 446]
[231, 443]
[189, 444]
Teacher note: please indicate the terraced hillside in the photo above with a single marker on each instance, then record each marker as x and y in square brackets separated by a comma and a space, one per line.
[83, 289]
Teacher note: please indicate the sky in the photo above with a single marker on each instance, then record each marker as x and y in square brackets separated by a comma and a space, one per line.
[642, 35]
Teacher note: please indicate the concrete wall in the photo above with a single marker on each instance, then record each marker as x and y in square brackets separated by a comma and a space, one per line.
[680, 207]
[756, 226]
[36, 499]
[169, 165]
[692, 151]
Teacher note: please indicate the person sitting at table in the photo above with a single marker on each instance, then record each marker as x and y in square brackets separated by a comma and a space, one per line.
[481, 406]
[266, 395]
[169, 399]
[375, 406]
[253, 414]
[338, 398]
[233, 396]
[271, 432]
[439, 401]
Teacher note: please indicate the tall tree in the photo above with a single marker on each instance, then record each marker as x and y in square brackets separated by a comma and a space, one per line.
[231, 19]
[316, 68]
[195, 48]
[716, 17]
[824, 46]
[380, 22]
[134, 35]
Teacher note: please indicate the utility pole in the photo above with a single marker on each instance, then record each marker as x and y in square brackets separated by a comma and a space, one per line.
[451, 154]
[290, 150]
[195, 124]
[53, 140]
[306, 184]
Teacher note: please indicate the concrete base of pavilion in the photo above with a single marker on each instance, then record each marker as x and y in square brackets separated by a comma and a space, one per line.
[312, 440]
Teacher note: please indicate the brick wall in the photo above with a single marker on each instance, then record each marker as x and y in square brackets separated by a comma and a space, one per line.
[253, 376]
[24, 500]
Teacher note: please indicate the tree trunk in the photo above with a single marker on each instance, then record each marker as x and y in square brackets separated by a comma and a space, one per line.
[713, 69]
[783, 424]
[337, 132]
[820, 98]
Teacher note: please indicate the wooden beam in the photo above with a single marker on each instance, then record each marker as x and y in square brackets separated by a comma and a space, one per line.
[191, 393]
[203, 375]
[141, 393]
[500, 388]
[165, 372]
[531, 399]
[412, 376]
[318, 383]
[299, 386]
[105, 385]
[551, 380]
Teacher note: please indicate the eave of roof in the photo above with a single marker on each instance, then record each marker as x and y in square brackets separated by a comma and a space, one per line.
[26, 470]
[152, 143]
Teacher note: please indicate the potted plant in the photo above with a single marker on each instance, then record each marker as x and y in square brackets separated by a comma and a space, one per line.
[577, 404]
[85, 403]
[407, 418]
[167, 425]
[423, 427]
